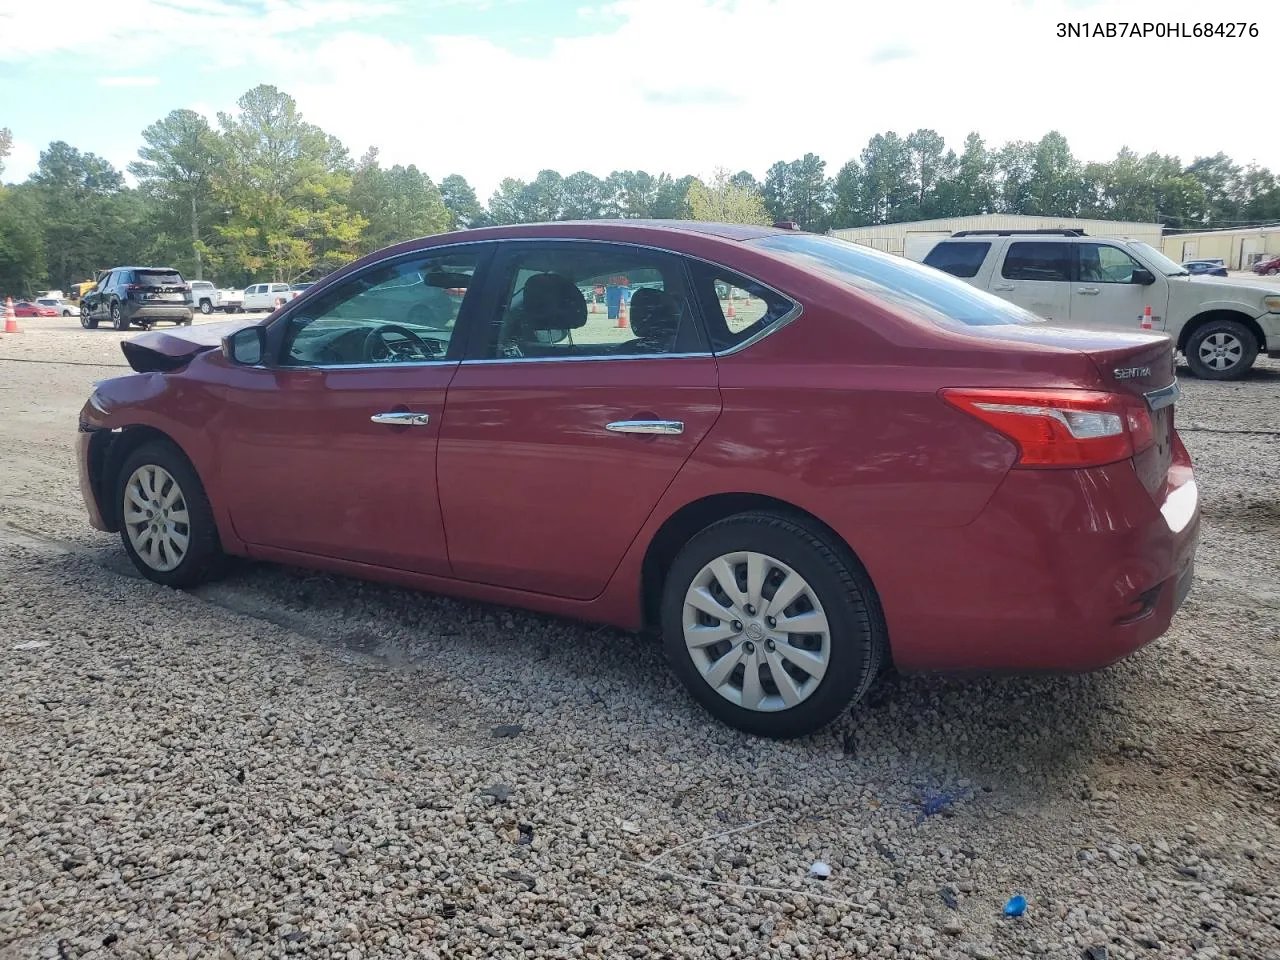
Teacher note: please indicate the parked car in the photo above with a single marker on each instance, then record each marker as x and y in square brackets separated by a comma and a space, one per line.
[32, 308]
[141, 295]
[231, 300]
[1200, 268]
[263, 296]
[1269, 266]
[886, 463]
[1082, 281]
[205, 296]
[60, 306]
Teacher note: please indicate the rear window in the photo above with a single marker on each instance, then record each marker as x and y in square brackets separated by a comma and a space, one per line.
[958, 258]
[158, 278]
[904, 283]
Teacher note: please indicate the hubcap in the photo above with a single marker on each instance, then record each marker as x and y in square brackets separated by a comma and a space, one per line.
[1221, 351]
[156, 518]
[756, 631]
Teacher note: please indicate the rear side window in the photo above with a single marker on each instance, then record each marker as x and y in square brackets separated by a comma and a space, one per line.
[736, 308]
[958, 259]
[1035, 260]
[897, 281]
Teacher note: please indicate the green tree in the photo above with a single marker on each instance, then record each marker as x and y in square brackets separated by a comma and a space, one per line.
[847, 209]
[507, 203]
[23, 265]
[543, 199]
[1220, 179]
[723, 201]
[1015, 166]
[671, 198]
[175, 171]
[460, 200]
[82, 213]
[6, 146]
[399, 203]
[285, 184]
[1055, 189]
[887, 188]
[930, 163]
[777, 191]
[584, 196]
[631, 194]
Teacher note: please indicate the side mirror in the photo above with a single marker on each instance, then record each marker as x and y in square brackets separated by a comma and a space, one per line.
[1144, 277]
[245, 348]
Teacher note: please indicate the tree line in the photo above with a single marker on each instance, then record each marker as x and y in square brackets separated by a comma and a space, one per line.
[266, 195]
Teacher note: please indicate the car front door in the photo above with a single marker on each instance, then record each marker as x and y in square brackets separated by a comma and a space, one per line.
[569, 420]
[95, 298]
[1036, 275]
[251, 296]
[331, 450]
[1105, 292]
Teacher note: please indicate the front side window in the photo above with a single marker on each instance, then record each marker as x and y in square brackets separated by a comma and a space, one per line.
[1103, 263]
[404, 312]
[1037, 260]
[959, 258]
[598, 300]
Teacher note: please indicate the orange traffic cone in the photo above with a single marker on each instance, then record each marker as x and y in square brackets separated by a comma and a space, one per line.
[10, 318]
[593, 305]
[1146, 319]
[730, 312]
[622, 314]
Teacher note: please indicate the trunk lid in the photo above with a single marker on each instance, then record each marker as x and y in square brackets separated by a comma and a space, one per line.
[1136, 363]
[170, 349]
[158, 286]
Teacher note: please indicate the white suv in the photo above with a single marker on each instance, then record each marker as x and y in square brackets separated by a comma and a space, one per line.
[1220, 325]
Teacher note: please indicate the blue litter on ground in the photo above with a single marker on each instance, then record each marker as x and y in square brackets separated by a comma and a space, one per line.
[1016, 906]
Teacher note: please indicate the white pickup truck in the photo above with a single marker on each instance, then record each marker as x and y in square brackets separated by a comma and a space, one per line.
[1074, 280]
[263, 296]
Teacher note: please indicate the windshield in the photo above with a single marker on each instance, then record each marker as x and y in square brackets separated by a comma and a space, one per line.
[1157, 259]
[905, 283]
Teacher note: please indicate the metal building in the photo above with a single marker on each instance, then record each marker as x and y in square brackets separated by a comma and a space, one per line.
[916, 238]
[1238, 249]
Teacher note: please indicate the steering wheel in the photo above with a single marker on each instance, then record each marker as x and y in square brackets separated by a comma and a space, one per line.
[411, 347]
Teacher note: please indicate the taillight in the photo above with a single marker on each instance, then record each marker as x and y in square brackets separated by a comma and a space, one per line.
[1061, 428]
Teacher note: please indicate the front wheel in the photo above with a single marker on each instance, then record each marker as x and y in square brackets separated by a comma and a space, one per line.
[772, 627]
[1221, 350]
[206, 307]
[118, 319]
[166, 522]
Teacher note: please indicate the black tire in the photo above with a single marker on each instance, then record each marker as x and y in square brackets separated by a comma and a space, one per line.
[1225, 328]
[206, 307]
[87, 319]
[118, 319]
[204, 559]
[858, 639]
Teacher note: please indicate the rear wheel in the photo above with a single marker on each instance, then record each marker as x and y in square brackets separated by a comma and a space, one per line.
[118, 319]
[773, 629]
[87, 319]
[1221, 350]
[166, 522]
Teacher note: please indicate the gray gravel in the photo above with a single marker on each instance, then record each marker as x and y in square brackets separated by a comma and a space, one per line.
[289, 763]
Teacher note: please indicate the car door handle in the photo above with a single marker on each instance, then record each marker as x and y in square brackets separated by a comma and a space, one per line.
[663, 427]
[1006, 287]
[402, 418]
[1087, 291]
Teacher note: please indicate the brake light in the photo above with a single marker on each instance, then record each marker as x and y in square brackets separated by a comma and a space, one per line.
[1061, 428]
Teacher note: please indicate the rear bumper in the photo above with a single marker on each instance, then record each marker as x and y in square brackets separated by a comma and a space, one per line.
[1062, 572]
[151, 313]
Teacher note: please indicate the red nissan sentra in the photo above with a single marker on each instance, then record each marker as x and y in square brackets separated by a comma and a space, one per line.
[796, 457]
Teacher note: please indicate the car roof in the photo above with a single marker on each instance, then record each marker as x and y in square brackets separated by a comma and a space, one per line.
[618, 229]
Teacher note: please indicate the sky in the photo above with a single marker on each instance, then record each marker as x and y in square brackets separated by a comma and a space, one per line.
[497, 88]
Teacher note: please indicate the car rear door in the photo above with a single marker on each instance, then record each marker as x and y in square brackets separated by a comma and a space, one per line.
[1036, 275]
[331, 450]
[565, 425]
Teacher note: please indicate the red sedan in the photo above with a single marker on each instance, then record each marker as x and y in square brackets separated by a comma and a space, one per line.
[797, 458]
[26, 308]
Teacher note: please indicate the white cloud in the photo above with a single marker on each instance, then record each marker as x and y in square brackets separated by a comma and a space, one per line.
[128, 81]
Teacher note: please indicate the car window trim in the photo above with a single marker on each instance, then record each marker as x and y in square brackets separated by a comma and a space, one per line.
[1075, 262]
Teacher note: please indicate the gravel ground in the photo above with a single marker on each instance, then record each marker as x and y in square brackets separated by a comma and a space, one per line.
[289, 763]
